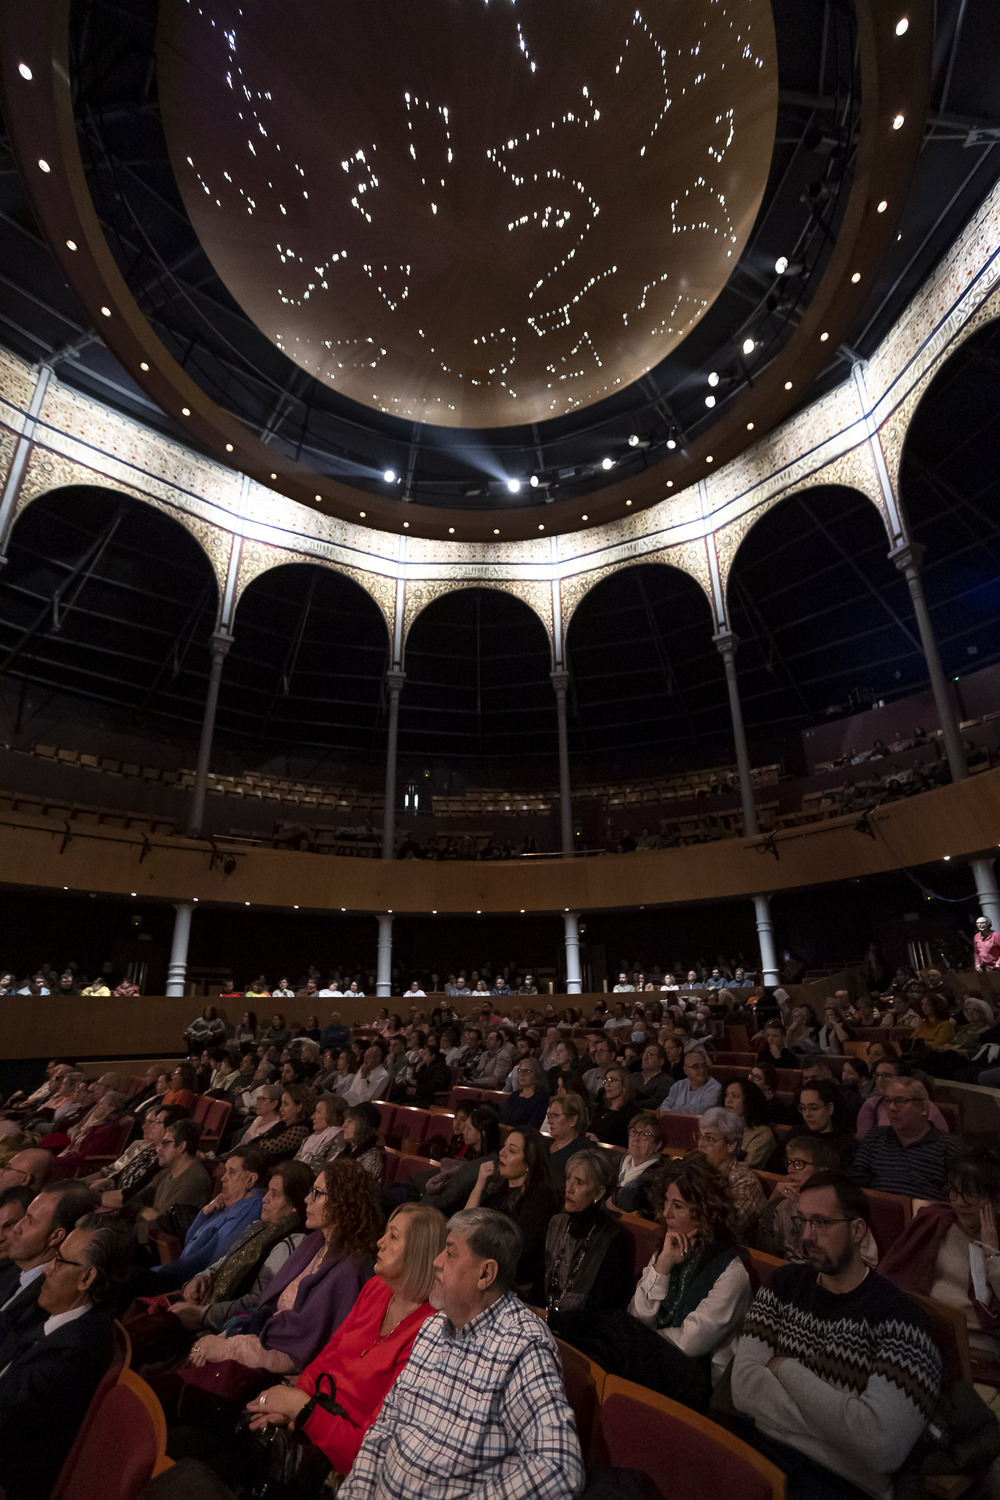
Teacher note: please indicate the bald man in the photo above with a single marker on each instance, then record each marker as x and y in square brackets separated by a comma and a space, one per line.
[28, 1168]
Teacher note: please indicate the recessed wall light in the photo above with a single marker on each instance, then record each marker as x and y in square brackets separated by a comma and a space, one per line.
[451, 530]
[43, 165]
[607, 463]
[541, 528]
[185, 411]
[229, 447]
[788, 385]
[71, 245]
[823, 337]
[709, 400]
[628, 502]
[274, 476]
[898, 121]
[27, 75]
[902, 26]
[881, 208]
[749, 345]
[143, 364]
[106, 311]
[362, 514]
[406, 525]
[670, 484]
[856, 277]
[496, 531]
[749, 427]
[713, 378]
[317, 497]
[584, 518]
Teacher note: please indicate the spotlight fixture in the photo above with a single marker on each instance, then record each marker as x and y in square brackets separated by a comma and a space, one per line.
[882, 206]
[71, 245]
[143, 364]
[749, 345]
[43, 165]
[533, 481]
[185, 411]
[514, 485]
[607, 463]
[856, 277]
[229, 447]
[671, 443]
[713, 378]
[106, 312]
[823, 337]
[902, 26]
[27, 74]
[709, 401]
[389, 476]
[898, 121]
[785, 267]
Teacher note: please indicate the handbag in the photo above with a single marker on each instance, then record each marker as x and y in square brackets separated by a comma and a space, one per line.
[281, 1463]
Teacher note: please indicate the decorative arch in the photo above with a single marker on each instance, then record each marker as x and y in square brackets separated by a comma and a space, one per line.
[257, 558]
[854, 470]
[690, 558]
[47, 472]
[419, 594]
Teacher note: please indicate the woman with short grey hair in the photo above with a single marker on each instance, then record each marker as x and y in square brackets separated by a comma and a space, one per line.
[720, 1141]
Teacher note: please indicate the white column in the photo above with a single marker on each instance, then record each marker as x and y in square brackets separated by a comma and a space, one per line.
[394, 682]
[574, 983]
[221, 642]
[727, 643]
[765, 934]
[177, 968]
[987, 890]
[560, 681]
[908, 557]
[383, 986]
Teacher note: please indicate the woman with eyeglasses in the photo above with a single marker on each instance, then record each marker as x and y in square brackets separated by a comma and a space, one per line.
[638, 1168]
[309, 1298]
[371, 1346]
[823, 1114]
[778, 1231]
[681, 1327]
[720, 1141]
[950, 1252]
[529, 1103]
[609, 1126]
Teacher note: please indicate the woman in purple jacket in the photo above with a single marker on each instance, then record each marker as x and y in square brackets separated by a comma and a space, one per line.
[316, 1288]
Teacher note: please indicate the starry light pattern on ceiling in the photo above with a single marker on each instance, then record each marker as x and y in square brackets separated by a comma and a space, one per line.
[493, 215]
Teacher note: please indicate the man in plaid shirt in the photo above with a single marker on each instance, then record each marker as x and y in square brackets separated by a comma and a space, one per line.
[479, 1409]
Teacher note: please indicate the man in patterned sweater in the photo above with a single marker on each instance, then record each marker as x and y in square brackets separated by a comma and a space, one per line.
[834, 1365]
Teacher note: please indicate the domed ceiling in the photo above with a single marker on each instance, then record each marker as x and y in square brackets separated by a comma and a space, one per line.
[496, 219]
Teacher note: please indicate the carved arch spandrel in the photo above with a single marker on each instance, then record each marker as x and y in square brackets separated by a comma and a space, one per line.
[421, 592]
[854, 470]
[896, 427]
[47, 471]
[258, 558]
[687, 557]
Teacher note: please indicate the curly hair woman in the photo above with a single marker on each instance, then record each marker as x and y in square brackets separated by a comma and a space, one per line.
[684, 1318]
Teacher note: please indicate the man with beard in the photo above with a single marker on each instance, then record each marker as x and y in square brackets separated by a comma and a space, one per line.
[834, 1366]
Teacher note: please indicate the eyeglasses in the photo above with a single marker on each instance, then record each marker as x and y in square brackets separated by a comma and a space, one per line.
[60, 1260]
[710, 1140]
[896, 1101]
[797, 1164]
[317, 1193]
[818, 1223]
[643, 1135]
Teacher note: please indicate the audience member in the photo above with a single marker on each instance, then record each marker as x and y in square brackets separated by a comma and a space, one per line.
[823, 1114]
[372, 1078]
[567, 1123]
[653, 1083]
[518, 1186]
[588, 1255]
[223, 1220]
[909, 1156]
[779, 1229]
[359, 1141]
[32, 1243]
[640, 1165]
[697, 1090]
[529, 1103]
[745, 1099]
[328, 1125]
[168, 1204]
[610, 1121]
[834, 1369]
[720, 1141]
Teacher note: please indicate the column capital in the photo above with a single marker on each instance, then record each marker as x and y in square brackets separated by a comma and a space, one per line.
[221, 642]
[394, 681]
[726, 642]
[907, 555]
[560, 680]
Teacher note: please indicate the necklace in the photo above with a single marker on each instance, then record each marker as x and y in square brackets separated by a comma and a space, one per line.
[385, 1333]
[560, 1285]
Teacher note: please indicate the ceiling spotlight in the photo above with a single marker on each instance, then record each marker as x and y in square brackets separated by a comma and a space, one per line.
[71, 245]
[27, 74]
[607, 463]
[185, 411]
[362, 514]
[229, 447]
[541, 528]
[533, 481]
[856, 277]
[451, 531]
[785, 267]
[709, 459]
[788, 385]
[43, 165]
[749, 345]
[514, 485]
[406, 525]
[143, 364]
[750, 427]
[628, 502]
[882, 206]
[898, 121]
[633, 441]
[670, 484]
[389, 476]
[709, 400]
[671, 443]
[106, 312]
[902, 26]
[317, 498]
[823, 337]
[274, 476]
[496, 531]
[584, 518]
[713, 379]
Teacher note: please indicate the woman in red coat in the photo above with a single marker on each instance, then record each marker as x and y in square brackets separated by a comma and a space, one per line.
[371, 1346]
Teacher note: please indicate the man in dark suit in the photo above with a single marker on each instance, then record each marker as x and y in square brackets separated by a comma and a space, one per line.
[51, 1365]
[33, 1241]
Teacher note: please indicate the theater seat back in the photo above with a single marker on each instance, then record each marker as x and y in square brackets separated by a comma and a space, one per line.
[123, 1447]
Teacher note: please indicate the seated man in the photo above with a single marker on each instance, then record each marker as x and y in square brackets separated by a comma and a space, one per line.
[516, 1434]
[33, 1241]
[653, 1083]
[874, 1110]
[372, 1078]
[909, 1155]
[696, 1091]
[834, 1367]
[27, 1168]
[50, 1369]
[13, 1206]
[222, 1221]
[182, 1187]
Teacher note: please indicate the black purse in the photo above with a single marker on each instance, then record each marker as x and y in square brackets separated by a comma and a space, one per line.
[280, 1463]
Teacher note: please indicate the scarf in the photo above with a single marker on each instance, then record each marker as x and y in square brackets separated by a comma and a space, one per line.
[691, 1280]
[249, 1252]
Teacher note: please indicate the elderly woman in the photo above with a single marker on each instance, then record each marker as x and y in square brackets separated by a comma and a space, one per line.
[779, 1231]
[611, 1119]
[314, 1291]
[588, 1255]
[518, 1186]
[745, 1099]
[686, 1313]
[567, 1123]
[949, 1251]
[265, 1114]
[102, 1139]
[359, 1141]
[327, 1123]
[371, 1346]
[720, 1141]
[529, 1103]
[639, 1166]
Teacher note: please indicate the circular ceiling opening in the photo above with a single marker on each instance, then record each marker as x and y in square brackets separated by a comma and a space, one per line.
[468, 214]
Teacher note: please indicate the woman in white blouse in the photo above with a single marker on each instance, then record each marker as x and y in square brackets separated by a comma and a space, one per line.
[327, 1124]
